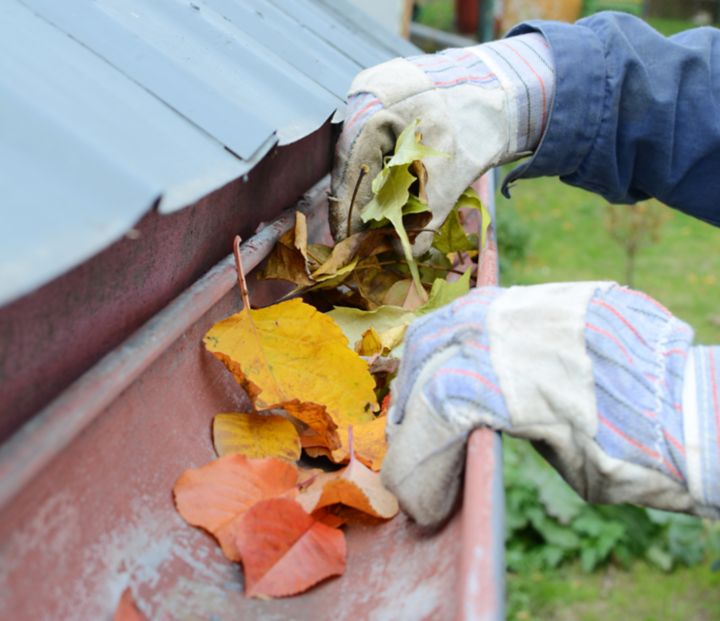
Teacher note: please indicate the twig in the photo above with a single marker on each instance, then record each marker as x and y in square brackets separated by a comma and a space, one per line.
[364, 170]
[242, 284]
[435, 231]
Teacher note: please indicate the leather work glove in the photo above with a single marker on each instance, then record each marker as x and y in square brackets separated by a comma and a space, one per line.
[482, 105]
[602, 379]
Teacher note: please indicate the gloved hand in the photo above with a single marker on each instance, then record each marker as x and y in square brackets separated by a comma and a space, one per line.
[601, 378]
[482, 105]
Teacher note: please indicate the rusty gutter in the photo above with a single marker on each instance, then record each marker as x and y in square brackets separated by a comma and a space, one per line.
[45, 436]
[482, 564]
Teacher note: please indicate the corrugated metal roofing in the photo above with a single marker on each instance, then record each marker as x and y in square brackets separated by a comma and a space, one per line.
[108, 107]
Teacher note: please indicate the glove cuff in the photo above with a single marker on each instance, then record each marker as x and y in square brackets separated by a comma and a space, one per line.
[701, 424]
[639, 351]
[526, 70]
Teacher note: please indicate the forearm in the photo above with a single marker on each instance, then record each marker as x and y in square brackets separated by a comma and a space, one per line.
[635, 114]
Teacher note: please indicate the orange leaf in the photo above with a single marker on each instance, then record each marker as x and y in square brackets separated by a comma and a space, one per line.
[285, 550]
[322, 430]
[353, 486]
[329, 519]
[290, 351]
[255, 435]
[370, 444]
[127, 609]
[215, 495]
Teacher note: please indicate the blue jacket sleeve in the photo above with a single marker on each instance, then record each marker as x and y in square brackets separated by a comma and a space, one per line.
[635, 114]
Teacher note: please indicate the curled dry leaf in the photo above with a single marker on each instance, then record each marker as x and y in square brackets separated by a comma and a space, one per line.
[285, 550]
[289, 258]
[353, 486]
[290, 352]
[215, 495]
[319, 427]
[317, 265]
[255, 435]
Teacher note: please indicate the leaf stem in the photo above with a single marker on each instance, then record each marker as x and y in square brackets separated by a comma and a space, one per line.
[364, 170]
[242, 283]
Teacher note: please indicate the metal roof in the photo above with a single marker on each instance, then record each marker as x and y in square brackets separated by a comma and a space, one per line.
[110, 107]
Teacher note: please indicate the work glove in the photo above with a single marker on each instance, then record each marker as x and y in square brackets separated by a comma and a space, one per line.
[602, 379]
[482, 106]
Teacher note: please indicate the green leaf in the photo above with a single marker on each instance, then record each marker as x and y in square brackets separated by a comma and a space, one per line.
[408, 147]
[355, 322]
[414, 205]
[390, 198]
[452, 236]
[444, 292]
[588, 559]
[391, 194]
[658, 557]
[470, 199]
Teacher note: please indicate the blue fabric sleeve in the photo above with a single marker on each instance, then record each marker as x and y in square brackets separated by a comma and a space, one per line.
[635, 114]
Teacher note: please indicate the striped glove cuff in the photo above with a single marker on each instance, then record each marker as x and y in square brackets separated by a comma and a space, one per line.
[638, 352]
[701, 405]
[522, 66]
[657, 397]
[525, 68]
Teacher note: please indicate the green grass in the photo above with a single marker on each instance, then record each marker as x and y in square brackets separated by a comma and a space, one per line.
[569, 242]
[640, 594]
[438, 14]
[669, 27]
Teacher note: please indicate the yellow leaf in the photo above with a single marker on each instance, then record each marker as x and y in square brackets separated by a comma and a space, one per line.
[255, 436]
[370, 343]
[290, 351]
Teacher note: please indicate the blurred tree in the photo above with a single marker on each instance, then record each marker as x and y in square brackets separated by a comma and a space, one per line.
[633, 227]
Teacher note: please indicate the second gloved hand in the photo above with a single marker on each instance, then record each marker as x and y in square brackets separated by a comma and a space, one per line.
[482, 105]
[602, 379]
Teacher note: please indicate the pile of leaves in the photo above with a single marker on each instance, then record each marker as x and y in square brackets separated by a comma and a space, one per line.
[316, 381]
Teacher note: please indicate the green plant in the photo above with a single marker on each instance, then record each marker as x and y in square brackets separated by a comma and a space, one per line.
[513, 237]
[549, 525]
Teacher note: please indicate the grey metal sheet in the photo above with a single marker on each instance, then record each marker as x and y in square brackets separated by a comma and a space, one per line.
[316, 19]
[370, 30]
[84, 153]
[200, 65]
[108, 107]
[286, 38]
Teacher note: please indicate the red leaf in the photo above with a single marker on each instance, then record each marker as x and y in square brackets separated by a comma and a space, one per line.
[285, 550]
[216, 494]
